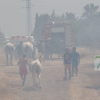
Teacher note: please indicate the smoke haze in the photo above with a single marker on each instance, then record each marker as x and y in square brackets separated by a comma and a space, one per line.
[13, 12]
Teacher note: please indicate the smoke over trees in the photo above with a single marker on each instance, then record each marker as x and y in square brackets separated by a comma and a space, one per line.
[86, 29]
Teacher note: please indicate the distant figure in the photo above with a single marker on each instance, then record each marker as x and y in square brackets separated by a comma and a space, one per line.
[41, 48]
[28, 47]
[67, 63]
[75, 61]
[9, 51]
[22, 68]
[19, 50]
[52, 47]
[47, 48]
[60, 47]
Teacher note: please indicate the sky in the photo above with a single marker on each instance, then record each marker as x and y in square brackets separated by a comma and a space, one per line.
[13, 12]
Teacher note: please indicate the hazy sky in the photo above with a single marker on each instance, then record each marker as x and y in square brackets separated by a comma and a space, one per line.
[13, 12]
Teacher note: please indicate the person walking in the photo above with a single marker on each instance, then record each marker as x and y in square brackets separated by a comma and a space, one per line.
[67, 64]
[75, 61]
[19, 50]
[48, 48]
[41, 47]
[23, 62]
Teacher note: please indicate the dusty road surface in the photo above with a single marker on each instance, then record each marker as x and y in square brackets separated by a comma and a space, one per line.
[86, 86]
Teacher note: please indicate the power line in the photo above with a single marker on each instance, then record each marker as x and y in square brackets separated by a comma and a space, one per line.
[29, 17]
[28, 6]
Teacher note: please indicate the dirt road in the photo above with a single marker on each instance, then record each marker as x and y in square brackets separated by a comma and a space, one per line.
[86, 86]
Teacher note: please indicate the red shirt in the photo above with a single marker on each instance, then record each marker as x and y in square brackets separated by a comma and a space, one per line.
[22, 62]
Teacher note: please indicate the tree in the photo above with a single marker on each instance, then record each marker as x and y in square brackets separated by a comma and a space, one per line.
[90, 10]
[39, 23]
[71, 16]
[85, 30]
[53, 14]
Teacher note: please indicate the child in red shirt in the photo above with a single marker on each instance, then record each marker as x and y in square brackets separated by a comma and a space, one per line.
[22, 68]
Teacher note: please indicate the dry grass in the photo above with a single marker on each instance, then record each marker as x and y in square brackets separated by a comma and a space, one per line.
[87, 51]
[87, 54]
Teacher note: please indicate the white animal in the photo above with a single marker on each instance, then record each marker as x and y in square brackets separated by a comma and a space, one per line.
[27, 47]
[35, 69]
[9, 51]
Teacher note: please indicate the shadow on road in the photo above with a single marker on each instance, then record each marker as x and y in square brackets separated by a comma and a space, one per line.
[54, 59]
[29, 88]
[15, 85]
[62, 80]
[3, 66]
[12, 72]
[93, 87]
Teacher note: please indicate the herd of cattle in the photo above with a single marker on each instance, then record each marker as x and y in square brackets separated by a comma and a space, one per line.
[11, 50]
[35, 66]
[41, 50]
[47, 49]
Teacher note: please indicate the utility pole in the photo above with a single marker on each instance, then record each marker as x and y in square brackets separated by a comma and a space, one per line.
[29, 20]
[0, 29]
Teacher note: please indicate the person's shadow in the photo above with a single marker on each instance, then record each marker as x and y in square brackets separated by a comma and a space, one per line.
[15, 85]
[29, 88]
[93, 87]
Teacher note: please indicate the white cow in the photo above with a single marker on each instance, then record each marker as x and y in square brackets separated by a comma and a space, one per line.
[35, 69]
[27, 47]
[9, 51]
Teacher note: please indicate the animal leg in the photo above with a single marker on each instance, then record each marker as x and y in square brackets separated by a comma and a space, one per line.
[73, 70]
[7, 60]
[34, 80]
[11, 58]
[39, 81]
[65, 73]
